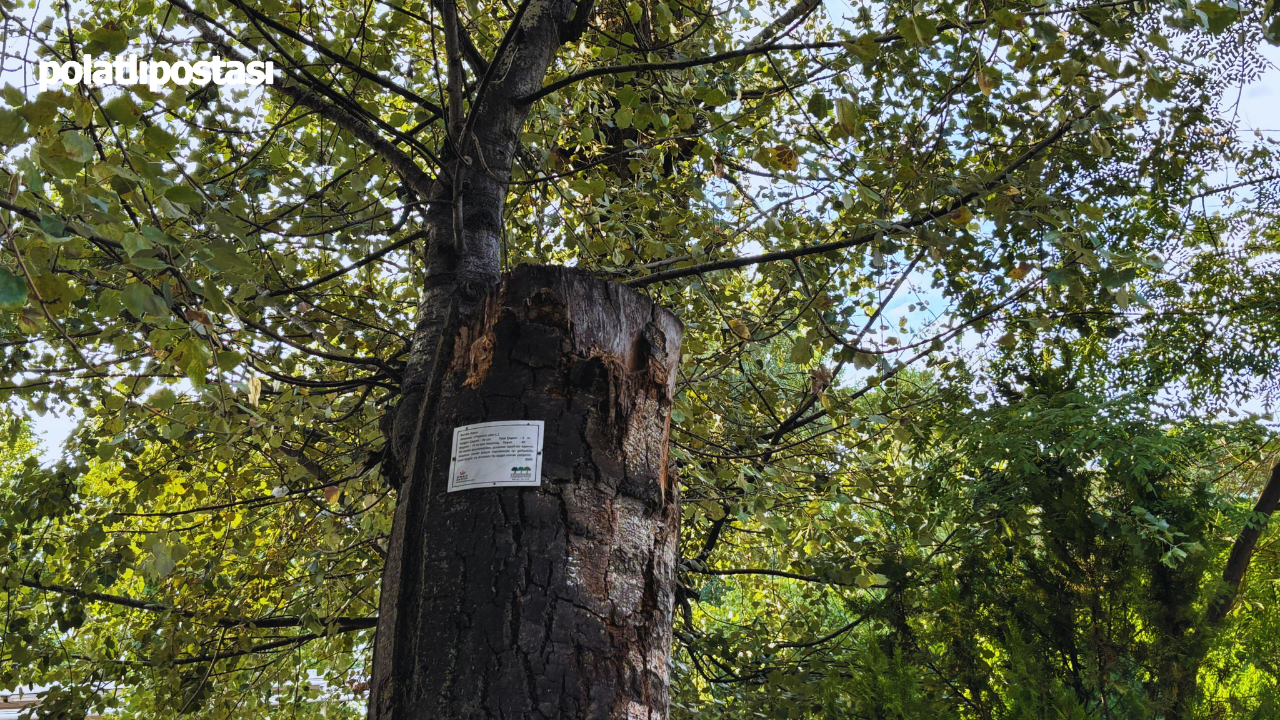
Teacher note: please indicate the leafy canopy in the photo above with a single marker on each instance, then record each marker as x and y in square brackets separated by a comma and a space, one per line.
[958, 313]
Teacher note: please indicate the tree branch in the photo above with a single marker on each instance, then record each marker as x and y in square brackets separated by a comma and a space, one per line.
[402, 163]
[754, 49]
[1234, 186]
[357, 264]
[866, 236]
[799, 11]
[340, 59]
[470, 52]
[764, 571]
[1242, 551]
[283, 621]
[564, 82]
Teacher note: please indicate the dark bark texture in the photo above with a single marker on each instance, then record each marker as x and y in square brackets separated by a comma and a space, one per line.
[465, 204]
[548, 602]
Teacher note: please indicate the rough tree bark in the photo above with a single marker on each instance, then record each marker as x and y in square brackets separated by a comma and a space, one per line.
[465, 204]
[552, 602]
[548, 602]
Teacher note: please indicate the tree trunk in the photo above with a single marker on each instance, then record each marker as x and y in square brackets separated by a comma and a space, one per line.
[1242, 550]
[551, 601]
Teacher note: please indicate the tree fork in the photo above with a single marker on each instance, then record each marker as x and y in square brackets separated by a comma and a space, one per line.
[554, 601]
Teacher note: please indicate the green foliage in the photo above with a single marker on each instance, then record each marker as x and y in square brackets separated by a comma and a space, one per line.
[1052, 560]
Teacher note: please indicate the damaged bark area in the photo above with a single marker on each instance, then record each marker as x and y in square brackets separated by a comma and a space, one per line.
[547, 602]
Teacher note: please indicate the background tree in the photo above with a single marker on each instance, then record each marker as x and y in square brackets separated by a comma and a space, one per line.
[236, 290]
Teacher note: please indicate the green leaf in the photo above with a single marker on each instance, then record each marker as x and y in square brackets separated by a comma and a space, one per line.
[628, 96]
[54, 228]
[41, 112]
[13, 290]
[162, 559]
[183, 194]
[135, 242]
[1008, 19]
[135, 297]
[53, 288]
[12, 128]
[109, 39]
[714, 97]
[148, 262]
[917, 30]
[865, 48]
[123, 110]
[801, 352]
[79, 147]
[1215, 17]
[163, 399]
[156, 235]
[160, 138]
[228, 360]
[13, 96]
[846, 114]
[1100, 145]
[907, 29]
[818, 106]
[1117, 278]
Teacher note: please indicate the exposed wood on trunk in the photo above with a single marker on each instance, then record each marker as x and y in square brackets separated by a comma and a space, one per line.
[548, 602]
[465, 207]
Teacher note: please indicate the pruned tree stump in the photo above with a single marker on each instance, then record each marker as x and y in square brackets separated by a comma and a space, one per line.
[553, 601]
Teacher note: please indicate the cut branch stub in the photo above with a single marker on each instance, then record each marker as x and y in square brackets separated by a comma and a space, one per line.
[551, 601]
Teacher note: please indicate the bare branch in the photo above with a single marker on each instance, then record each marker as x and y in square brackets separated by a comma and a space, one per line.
[799, 11]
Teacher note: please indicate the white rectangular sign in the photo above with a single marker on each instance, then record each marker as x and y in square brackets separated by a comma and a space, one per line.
[507, 453]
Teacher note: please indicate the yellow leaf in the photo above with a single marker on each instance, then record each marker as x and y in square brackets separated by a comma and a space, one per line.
[960, 216]
[740, 329]
[1021, 271]
[331, 493]
[786, 157]
[984, 83]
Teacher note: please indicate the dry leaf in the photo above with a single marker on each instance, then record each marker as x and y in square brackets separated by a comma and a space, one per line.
[819, 380]
[255, 390]
[194, 315]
